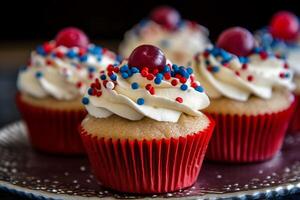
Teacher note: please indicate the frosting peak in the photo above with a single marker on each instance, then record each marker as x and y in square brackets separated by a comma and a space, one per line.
[224, 74]
[61, 72]
[133, 94]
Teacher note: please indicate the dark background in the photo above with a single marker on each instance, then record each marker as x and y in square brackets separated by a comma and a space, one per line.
[24, 24]
[108, 19]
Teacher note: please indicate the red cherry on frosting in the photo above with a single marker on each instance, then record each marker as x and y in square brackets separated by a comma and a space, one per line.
[284, 25]
[147, 56]
[72, 37]
[166, 16]
[236, 40]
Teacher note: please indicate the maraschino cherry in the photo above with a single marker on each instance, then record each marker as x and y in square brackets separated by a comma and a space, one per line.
[72, 37]
[166, 16]
[147, 56]
[236, 40]
[284, 25]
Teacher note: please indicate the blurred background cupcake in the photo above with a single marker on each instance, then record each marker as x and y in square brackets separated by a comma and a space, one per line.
[159, 132]
[282, 37]
[180, 39]
[251, 99]
[51, 86]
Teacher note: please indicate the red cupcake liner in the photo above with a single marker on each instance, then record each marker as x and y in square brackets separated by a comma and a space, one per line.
[147, 166]
[244, 139]
[294, 126]
[52, 131]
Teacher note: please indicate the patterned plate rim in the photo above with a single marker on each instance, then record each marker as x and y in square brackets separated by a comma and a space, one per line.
[284, 189]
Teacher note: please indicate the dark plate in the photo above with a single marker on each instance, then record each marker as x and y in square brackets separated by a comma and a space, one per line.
[29, 173]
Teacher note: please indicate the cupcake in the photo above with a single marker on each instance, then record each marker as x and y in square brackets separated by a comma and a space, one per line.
[179, 39]
[144, 132]
[282, 37]
[51, 87]
[250, 96]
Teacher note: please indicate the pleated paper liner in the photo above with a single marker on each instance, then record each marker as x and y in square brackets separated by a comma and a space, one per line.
[294, 126]
[52, 131]
[147, 166]
[244, 139]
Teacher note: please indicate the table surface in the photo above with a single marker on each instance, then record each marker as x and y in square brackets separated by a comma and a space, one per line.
[12, 56]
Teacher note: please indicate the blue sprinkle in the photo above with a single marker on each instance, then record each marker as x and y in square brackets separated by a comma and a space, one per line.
[215, 51]
[160, 75]
[183, 87]
[90, 91]
[40, 50]
[207, 62]
[129, 73]
[124, 75]
[119, 58]
[184, 73]
[85, 100]
[113, 77]
[99, 58]
[172, 73]
[287, 75]
[103, 77]
[124, 68]
[165, 43]
[134, 86]
[189, 70]
[22, 68]
[116, 64]
[175, 67]
[134, 70]
[243, 59]
[199, 89]
[95, 50]
[157, 80]
[225, 55]
[91, 69]
[257, 49]
[140, 101]
[38, 74]
[71, 54]
[83, 58]
[166, 68]
[215, 69]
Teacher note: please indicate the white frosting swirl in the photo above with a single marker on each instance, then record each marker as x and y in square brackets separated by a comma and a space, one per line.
[61, 76]
[239, 81]
[118, 97]
[179, 46]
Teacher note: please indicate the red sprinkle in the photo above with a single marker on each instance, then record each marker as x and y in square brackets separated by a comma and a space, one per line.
[82, 51]
[144, 73]
[182, 80]
[194, 85]
[148, 86]
[150, 77]
[152, 91]
[49, 62]
[99, 93]
[167, 76]
[105, 82]
[116, 69]
[263, 55]
[79, 84]
[91, 76]
[109, 73]
[244, 66]
[237, 73]
[110, 68]
[250, 78]
[206, 54]
[155, 72]
[286, 66]
[178, 76]
[179, 99]
[59, 54]
[174, 82]
[282, 75]
[48, 47]
[192, 77]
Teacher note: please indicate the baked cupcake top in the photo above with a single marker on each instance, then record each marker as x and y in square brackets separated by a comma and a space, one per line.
[249, 71]
[282, 37]
[179, 39]
[63, 68]
[147, 85]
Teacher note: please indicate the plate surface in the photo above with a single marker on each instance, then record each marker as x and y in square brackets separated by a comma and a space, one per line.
[29, 173]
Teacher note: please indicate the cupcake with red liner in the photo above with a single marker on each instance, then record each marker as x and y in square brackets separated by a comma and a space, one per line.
[51, 87]
[178, 38]
[251, 99]
[283, 38]
[144, 132]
